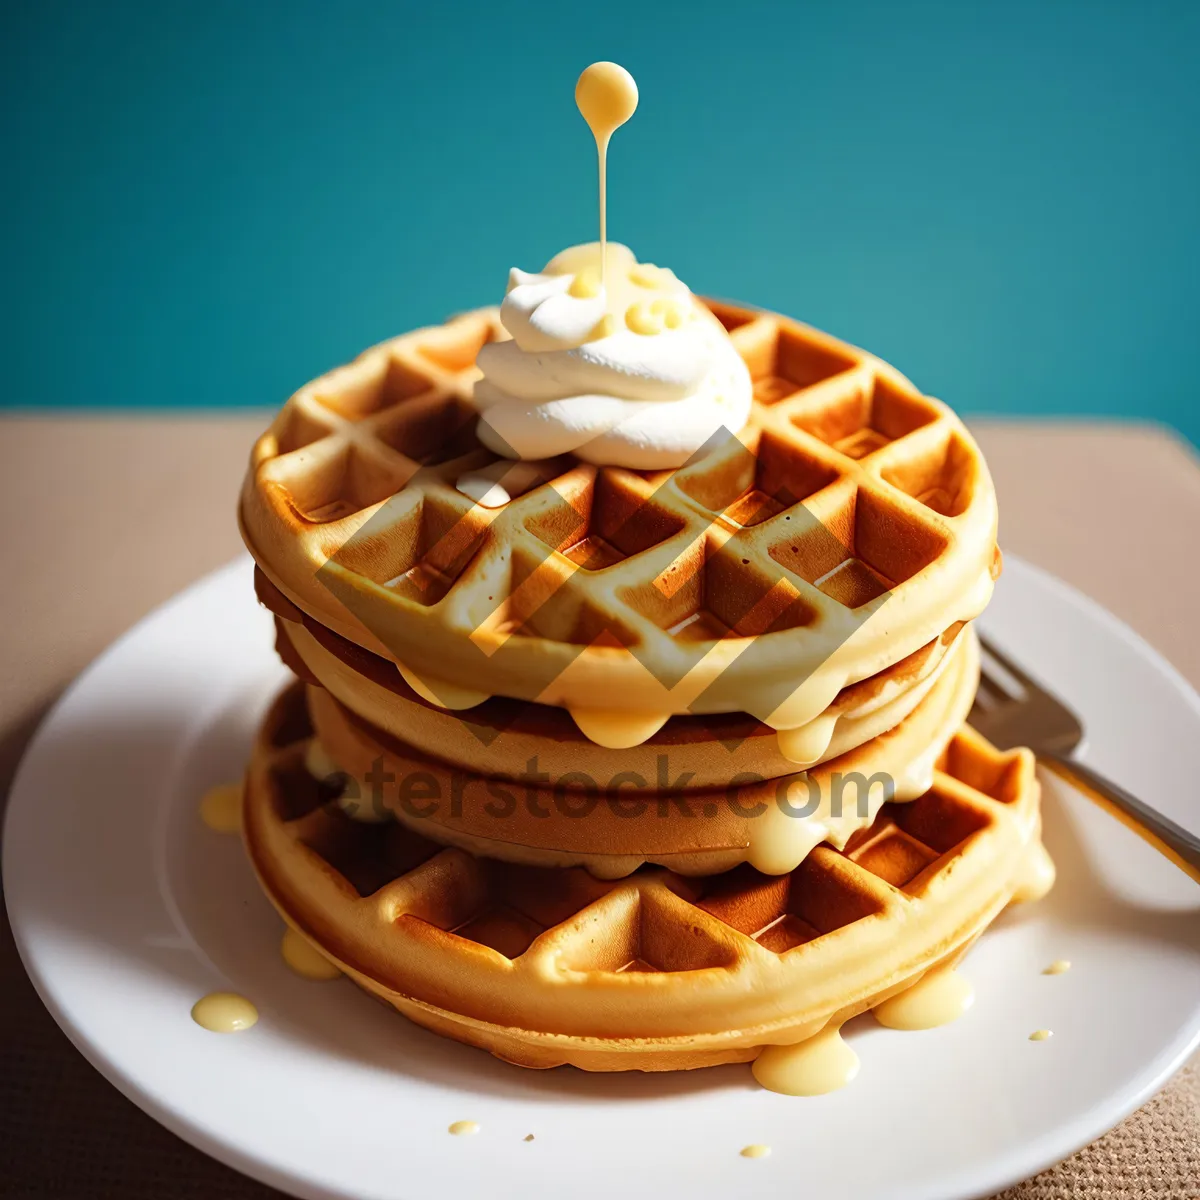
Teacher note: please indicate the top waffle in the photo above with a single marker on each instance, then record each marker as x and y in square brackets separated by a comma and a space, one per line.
[846, 526]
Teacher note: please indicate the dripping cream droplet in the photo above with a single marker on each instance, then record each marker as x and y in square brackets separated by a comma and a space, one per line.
[607, 97]
[823, 1063]
[463, 1128]
[1037, 876]
[939, 997]
[307, 962]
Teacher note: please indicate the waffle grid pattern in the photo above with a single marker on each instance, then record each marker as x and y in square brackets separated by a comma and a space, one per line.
[847, 486]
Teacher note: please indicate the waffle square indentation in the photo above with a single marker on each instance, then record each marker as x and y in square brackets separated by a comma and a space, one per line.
[367, 855]
[782, 912]
[643, 933]
[937, 819]
[852, 583]
[792, 362]
[997, 776]
[502, 905]
[858, 422]
[328, 486]
[431, 430]
[941, 476]
[504, 929]
[417, 546]
[301, 425]
[891, 854]
[712, 591]
[860, 551]
[361, 389]
[599, 518]
[453, 347]
[749, 484]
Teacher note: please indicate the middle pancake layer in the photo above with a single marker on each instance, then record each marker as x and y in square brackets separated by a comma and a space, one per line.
[501, 736]
[617, 819]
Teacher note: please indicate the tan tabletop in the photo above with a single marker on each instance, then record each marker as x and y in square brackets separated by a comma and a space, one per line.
[105, 518]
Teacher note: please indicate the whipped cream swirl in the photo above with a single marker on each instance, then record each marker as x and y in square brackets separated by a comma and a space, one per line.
[633, 374]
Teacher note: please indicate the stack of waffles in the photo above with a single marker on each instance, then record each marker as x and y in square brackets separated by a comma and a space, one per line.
[630, 769]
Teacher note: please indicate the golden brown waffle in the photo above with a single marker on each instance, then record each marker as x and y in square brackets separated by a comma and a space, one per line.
[501, 735]
[656, 972]
[714, 588]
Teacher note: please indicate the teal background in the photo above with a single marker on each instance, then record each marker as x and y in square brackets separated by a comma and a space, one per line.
[208, 203]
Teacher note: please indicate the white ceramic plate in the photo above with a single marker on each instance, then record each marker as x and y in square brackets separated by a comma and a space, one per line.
[127, 909]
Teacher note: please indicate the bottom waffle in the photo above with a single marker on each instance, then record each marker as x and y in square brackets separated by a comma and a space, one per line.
[546, 966]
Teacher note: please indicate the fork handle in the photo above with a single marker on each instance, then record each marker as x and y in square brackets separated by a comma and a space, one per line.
[1170, 840]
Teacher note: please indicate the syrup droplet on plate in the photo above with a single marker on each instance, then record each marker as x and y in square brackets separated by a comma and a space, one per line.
[221, 808]
[224, 1012]
[758, 1150]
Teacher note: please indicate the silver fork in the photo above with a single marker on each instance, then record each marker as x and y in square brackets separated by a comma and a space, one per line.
[1013, 709]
